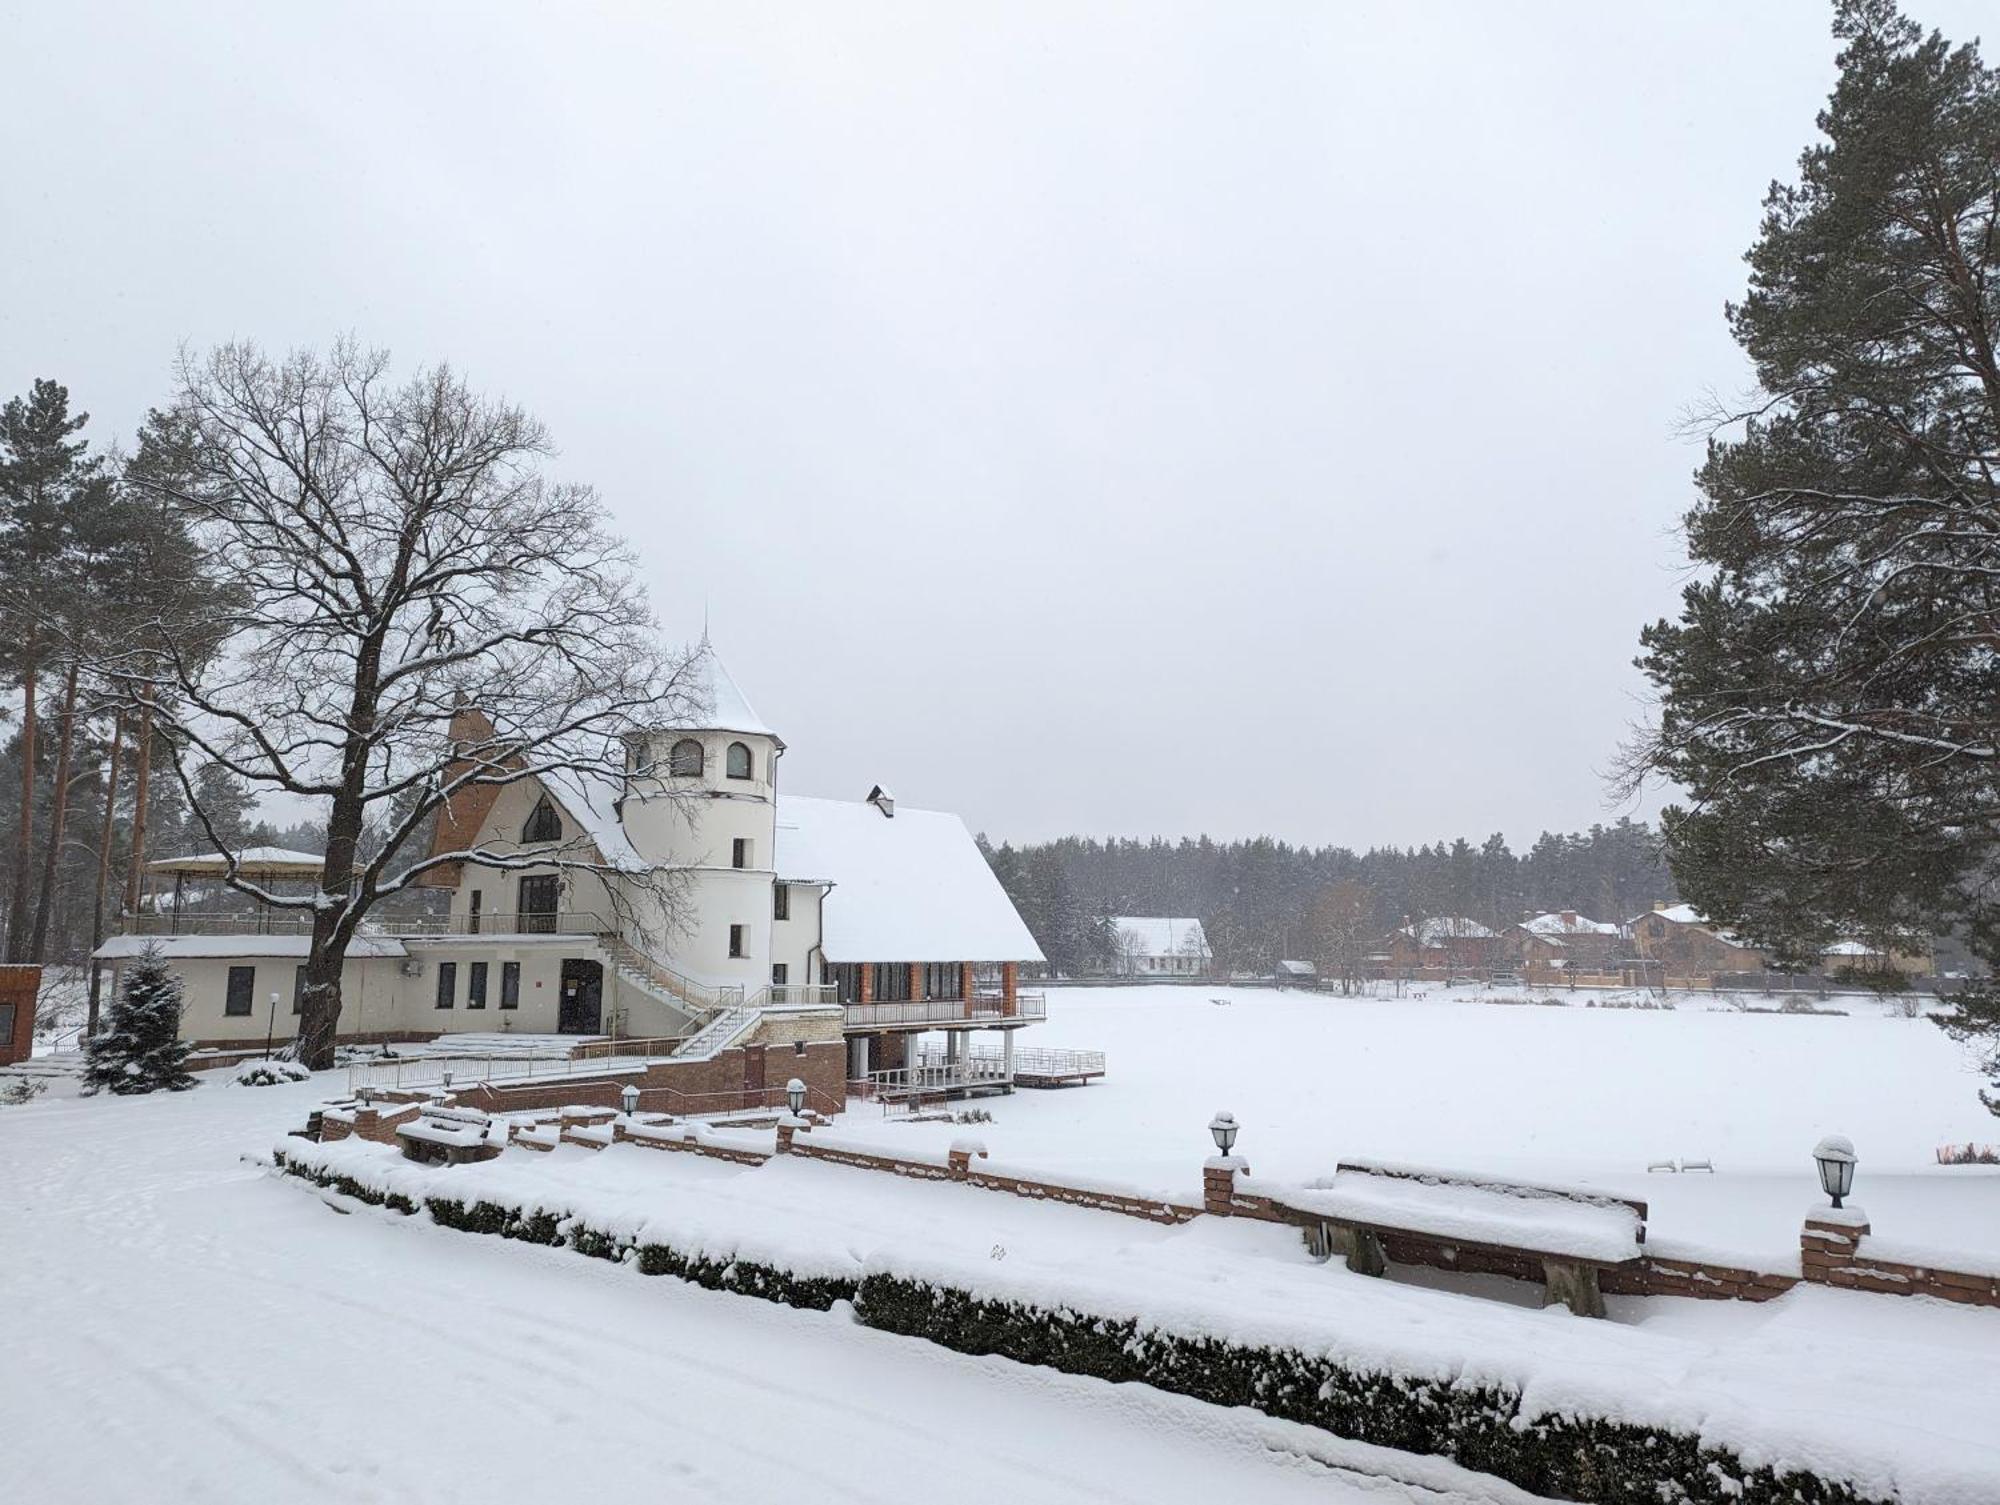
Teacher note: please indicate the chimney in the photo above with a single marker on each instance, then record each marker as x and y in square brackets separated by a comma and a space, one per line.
[882, 800]
[1569, 919]
[1660, 905]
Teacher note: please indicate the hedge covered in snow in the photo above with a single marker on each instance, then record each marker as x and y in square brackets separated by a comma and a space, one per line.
[1481, 1427]
[1480, 1424]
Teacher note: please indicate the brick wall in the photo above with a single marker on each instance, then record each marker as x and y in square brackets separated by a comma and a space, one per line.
[1833, 1251]
[712, 1086]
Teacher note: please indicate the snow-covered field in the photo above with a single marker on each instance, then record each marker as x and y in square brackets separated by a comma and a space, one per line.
[177, 1324]
[1583, 1094]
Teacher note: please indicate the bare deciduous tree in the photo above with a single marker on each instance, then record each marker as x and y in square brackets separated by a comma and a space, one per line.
[1343, 932]
[417, 616]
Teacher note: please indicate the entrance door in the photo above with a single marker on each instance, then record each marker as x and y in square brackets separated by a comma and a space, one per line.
[539, 897]
[580, 1009]
[753, 1076]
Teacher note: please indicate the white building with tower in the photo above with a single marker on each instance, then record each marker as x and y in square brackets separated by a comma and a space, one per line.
[866, 939]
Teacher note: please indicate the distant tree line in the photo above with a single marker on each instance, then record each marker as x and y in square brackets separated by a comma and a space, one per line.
[1263, 899]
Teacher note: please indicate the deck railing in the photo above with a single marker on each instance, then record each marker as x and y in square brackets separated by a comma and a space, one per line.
[300, 922]
[979, 1009]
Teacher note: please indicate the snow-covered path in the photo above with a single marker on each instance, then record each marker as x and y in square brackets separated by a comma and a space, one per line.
[175, 1324]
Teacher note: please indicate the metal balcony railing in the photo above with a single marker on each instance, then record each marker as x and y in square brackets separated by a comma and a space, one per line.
[300, 922]
[980, 1009]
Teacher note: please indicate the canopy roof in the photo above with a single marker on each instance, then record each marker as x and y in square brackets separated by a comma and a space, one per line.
[251, 862]
[912, 887]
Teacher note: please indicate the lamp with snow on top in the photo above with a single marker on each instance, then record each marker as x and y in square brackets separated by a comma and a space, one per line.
[1223, 1127]
[629, 1097]
[1835, 1155]
[795, 1096]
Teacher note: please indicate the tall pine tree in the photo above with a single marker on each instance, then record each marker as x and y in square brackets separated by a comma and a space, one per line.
[1830, 695]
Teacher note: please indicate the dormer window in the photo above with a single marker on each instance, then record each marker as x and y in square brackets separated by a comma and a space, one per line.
[543, 823]
[738, 763]
[685, 760]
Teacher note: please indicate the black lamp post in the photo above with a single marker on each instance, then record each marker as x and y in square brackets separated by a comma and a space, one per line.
[1835, 1155]
[1223, 1127]
[795, 1095]
[271, 1024]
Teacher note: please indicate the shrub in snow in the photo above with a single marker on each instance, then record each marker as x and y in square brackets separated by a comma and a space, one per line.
[140, 1047]
[1481, 1426]
[271, 1073]
[23, 1089]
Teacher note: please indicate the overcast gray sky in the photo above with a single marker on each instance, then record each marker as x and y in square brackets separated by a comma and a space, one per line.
[1120, 419]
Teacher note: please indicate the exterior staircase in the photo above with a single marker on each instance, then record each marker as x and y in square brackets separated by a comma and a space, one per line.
[700, 1002]
[717, 1034]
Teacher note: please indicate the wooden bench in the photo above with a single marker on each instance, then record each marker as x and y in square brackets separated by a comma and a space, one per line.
[1569, 1234]
[450, 1136]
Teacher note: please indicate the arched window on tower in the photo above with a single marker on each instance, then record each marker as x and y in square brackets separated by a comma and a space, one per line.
[543, 823]
[684, 761]
[738, 764]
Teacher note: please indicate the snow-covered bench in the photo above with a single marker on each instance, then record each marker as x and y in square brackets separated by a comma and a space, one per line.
[451, 1136]
[1571, 1232]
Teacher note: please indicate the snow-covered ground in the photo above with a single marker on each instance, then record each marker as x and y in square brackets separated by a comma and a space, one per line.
[177, 1324]
[1588, 1094]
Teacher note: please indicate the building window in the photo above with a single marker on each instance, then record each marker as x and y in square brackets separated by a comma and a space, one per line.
[475, 986]
[540, 896]
[298, 990]
[781, 973]
[738, 763]
[736, 939]
[798, 1047]
[892, 982]
[846, 980]
[447, 983]
[781, 901]
[543, 823]
[510, 985]
[739, 852]
[684, 761]
[474, 905]
[242, 983]
[942, 980]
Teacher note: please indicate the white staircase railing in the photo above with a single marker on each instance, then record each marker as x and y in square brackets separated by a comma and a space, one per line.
[718, 1033]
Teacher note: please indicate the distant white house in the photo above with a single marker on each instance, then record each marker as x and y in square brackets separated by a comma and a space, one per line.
[1158, 946]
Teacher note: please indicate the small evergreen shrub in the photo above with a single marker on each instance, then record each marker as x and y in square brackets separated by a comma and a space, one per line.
[273, 1073]
[140, 1048]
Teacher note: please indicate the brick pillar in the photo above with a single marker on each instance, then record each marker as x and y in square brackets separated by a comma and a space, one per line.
[1828, 1243]
[1218, 1184]
[867, 982]
[916, 982]
[958, 1160]
[784, 1137]
[966, 983]
[1010, 986]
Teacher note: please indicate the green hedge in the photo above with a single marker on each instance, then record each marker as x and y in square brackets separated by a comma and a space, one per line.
[1479, 1426]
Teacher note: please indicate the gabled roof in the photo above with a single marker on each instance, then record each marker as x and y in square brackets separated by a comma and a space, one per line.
[1447, 927]
[1576, 924]
[915, 888]
[1155, 935]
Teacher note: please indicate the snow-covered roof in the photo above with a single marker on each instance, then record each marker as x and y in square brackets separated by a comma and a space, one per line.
[199, 947]
[911, 888]
[1568, 924]
[591, 800]
[252, 862]
[1680, 914]
[1157, 935]
[1447, 927]
[722, 705]
[1296, 969]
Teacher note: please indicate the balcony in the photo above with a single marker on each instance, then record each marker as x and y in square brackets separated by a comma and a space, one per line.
[981, 1009]
[300, 922]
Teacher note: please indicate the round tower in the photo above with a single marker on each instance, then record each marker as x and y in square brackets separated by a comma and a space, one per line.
[703, 799]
